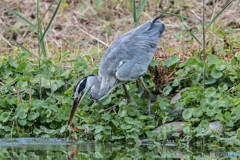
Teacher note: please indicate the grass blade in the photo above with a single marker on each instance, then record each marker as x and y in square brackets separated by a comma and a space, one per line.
[54, 14]
[22, 18]
[193, 35]
[219, 13]
[140, 9]
[177, 15]
[23, 47]
[41, 43]
[47, 11]
[134, 12]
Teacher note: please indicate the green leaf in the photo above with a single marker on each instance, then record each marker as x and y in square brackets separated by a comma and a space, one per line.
[222, 87]
[129, 120]
[187, 113]
[171, 61]
[227, 115]
[22, 115]
[47, 11]
[106, 117]
[22, 122]
[125, 126]
[177, 15]
[12, 62]
[219, 14]
[80, 66]
[204, 124]
[140, 8]
[99, 128]
[191, 62]
[167, 90]
[33, 115]
[37, 131]
[192, 35]
[221, 66]
[52, 18]
[211, 91]
[115, 123]
[5, 116]
[19, 16]
[106, 101]
[22, 46]
[215, 73]
[213, 59]
[131, 111]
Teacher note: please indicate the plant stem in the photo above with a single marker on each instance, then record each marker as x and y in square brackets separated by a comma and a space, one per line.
[204, 45]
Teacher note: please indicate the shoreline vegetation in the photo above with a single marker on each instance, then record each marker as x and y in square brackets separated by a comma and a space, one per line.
[197, 62]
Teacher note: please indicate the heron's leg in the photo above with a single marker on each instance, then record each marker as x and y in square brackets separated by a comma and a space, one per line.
[148, 94]
[127, 94]
[140, 89]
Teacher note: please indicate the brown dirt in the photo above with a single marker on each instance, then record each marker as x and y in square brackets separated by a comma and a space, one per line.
[82, 27]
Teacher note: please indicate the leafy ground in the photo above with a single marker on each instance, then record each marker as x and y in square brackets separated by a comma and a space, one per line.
[36, 99]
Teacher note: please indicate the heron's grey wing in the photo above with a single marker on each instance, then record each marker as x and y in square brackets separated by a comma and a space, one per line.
[130, 70]
[131, 50]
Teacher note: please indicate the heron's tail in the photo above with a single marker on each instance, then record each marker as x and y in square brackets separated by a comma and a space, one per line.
[154, 21]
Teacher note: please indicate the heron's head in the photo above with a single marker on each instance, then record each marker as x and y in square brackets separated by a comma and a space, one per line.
[81, 89]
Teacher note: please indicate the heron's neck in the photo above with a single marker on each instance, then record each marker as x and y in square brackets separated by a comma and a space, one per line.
[96, 92]
[99, 88]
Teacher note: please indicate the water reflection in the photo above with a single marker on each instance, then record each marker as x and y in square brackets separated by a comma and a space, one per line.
[39, 148]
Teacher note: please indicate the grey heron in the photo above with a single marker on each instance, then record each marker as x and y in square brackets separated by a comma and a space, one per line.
[126, 59]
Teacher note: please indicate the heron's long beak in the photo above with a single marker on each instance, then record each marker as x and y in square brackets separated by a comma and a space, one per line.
[74, 109]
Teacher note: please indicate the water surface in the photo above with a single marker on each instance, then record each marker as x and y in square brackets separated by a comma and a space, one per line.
[53, 148]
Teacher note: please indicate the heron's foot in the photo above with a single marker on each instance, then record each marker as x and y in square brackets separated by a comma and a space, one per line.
[72, 127]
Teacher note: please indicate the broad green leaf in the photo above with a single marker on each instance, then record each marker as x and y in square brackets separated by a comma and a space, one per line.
[171, 61]
[125, 126]
[187, 113]
[222, 87]
[22, 115]
[221, 66]
[5, 116]
[99, 129]
[22, 122]
[191, 62]
[33, 115]
[167, 90]
[131, 111]
[106, 101]
[130, 120]
[215, 73]
[213, 59]
[106, 117]
[116, 123]
[204, 124]
[12, 62]
[227, 115]
[37, 131]
[209, 92]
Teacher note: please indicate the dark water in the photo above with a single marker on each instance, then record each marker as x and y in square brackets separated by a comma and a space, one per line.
[53, 148]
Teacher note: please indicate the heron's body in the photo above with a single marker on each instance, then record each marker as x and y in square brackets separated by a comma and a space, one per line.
[126, 59]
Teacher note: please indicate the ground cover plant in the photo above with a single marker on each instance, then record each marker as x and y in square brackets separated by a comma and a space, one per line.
[36, 94]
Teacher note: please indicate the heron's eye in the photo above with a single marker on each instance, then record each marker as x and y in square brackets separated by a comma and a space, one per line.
[80, 86]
